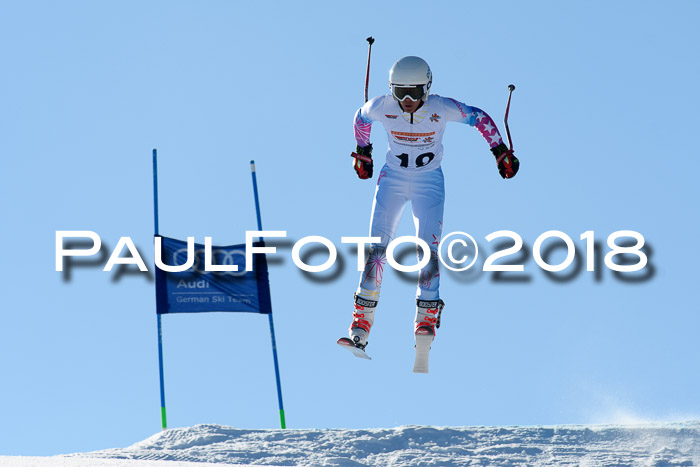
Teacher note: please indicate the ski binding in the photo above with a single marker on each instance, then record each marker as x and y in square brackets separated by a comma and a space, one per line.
[359, 352]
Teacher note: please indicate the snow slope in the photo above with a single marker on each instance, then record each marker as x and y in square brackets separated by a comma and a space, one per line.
[64, 461]
[667, 444]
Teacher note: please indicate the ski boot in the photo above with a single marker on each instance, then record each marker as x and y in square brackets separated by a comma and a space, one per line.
[427, 320]
[362, 321]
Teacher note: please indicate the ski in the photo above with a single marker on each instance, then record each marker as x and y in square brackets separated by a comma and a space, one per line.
[423, 342]
[346, 343]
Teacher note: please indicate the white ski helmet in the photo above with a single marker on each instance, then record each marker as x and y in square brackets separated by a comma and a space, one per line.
[410, 77]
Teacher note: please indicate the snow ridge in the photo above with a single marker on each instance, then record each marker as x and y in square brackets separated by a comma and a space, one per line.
[667, 444]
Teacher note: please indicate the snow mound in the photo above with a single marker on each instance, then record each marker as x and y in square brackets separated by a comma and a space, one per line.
[63, 461]
[667, 444]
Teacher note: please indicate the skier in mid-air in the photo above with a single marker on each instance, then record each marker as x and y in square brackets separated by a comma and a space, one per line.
[415, 122]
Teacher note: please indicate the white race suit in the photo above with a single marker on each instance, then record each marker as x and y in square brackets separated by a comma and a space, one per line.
[412, 173]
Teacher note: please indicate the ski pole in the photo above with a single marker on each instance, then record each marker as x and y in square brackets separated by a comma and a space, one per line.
[370, 39]
[511, 88]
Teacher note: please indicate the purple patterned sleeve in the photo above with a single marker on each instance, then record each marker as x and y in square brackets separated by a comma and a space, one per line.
[487, 128]
[362, 128]
[477, 118]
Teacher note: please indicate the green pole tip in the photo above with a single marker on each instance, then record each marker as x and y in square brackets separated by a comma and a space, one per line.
[163, 419]
[283, 421]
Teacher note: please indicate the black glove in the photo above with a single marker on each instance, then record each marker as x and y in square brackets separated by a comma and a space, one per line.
[363, 164]
[508, 164]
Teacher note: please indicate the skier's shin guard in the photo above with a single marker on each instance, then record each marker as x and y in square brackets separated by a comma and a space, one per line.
[362, 320]
[428, 316]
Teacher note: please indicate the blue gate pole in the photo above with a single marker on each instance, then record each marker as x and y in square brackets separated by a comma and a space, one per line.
[283, 423]
[163, 418]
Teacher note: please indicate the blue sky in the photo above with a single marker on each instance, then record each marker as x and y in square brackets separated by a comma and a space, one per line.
[603, 120]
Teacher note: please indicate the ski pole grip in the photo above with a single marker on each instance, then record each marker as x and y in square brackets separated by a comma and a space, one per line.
[361, 157]
[505, 154]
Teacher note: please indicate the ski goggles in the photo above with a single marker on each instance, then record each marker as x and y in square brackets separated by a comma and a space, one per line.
[413, 92]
